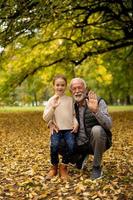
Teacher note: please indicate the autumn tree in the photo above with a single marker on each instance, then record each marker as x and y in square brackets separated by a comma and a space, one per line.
[39, 34]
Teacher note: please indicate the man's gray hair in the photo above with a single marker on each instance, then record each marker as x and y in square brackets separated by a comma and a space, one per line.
[79, 80]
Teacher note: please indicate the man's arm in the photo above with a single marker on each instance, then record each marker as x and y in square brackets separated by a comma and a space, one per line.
[103, 116]
[100, 110]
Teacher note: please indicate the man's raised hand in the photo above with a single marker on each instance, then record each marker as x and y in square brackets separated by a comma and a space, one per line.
[92, 101]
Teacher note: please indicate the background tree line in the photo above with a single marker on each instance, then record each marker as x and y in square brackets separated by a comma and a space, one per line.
[90, 39]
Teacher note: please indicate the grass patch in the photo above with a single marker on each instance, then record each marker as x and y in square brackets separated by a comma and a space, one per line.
[41, 108]
[120, 108]
[21, 109]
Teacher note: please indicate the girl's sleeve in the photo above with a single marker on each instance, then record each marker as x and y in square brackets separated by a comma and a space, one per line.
[75, 121]
[48, 112]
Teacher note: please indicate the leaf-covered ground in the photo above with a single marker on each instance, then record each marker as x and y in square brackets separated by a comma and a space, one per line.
[24, 162]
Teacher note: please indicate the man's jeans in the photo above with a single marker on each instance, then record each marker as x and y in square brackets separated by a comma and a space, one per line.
[96, 145]
[54, 146]
[98, 139]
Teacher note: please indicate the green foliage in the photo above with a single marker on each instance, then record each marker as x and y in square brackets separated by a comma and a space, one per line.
[120, 66]
[42, 38]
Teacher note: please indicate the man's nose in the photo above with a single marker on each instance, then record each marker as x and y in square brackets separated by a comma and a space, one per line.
[76, 89]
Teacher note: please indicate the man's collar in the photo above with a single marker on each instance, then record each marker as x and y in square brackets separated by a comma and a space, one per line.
[82, 103]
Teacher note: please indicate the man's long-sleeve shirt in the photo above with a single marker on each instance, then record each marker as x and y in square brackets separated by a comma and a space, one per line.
[103, 116]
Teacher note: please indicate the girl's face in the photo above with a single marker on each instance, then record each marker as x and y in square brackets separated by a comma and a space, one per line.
[59, 86]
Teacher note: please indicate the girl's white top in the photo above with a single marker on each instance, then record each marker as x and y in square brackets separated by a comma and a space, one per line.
[63, 115]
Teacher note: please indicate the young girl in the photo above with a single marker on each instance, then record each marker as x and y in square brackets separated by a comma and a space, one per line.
[60, 112]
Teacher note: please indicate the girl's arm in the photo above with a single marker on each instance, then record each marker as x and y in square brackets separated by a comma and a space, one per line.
[50, 108]
[75, 122]
[48, 112]
[75, 125]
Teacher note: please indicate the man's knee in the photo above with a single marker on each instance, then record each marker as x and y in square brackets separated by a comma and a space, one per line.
[98, 132]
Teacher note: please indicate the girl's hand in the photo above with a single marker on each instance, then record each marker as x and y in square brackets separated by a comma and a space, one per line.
[53, 127]
[92, 101]
[55, 101]
[75, 128]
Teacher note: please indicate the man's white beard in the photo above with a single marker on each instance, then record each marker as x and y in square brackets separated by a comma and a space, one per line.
[79, 97]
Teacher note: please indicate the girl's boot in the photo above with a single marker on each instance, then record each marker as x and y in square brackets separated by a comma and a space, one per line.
[63, 171]
[53, 172]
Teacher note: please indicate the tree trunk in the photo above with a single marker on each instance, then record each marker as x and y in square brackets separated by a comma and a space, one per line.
[35, 98]
[110, 98]
[128, 100]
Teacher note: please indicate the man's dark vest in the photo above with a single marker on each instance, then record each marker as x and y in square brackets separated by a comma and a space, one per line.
[90, 121]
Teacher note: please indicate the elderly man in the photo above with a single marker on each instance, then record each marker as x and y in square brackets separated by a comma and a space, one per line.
[94, 136]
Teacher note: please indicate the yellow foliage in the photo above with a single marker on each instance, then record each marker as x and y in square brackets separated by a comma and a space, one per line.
[103, 75]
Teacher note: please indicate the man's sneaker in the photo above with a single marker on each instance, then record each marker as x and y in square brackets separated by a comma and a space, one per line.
[96, 173]
[81, 163]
